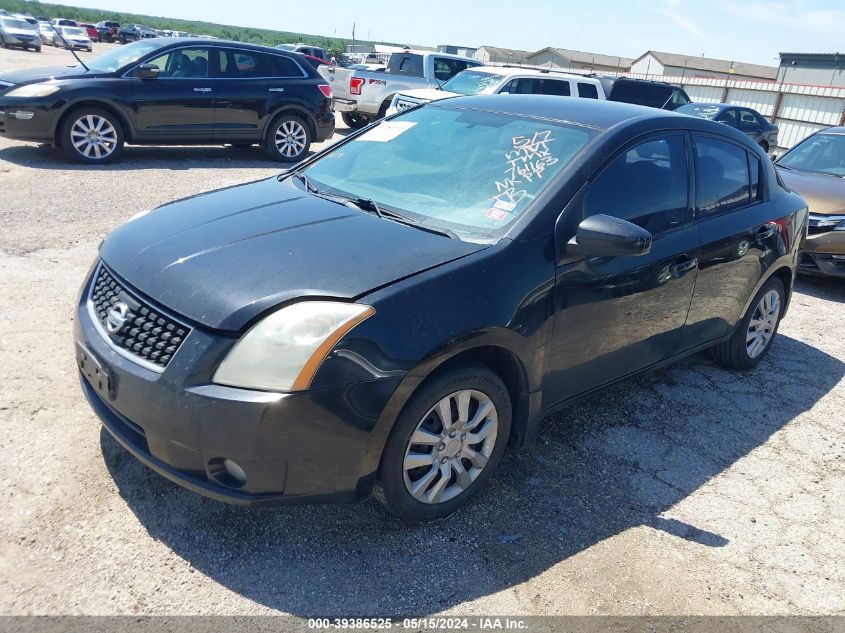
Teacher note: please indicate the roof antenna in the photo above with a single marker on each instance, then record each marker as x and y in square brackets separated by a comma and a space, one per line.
[71, 49]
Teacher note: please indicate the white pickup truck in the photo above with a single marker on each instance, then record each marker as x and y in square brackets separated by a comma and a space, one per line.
[361, 96]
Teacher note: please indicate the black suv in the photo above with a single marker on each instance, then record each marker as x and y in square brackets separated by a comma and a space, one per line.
[654, 94]
[173, 91]
[135, 32]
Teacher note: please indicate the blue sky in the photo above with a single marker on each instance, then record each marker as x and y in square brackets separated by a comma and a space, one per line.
[739, 30]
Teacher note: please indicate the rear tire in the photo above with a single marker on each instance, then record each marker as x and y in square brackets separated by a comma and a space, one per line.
[354, 120]
[92, 136]
[755, 334]
[451, 467]
[288, 139]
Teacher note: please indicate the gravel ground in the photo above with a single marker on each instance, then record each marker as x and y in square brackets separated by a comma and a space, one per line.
[691, 490]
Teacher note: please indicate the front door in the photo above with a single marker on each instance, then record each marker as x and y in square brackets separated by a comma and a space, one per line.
[616, 315]
[179, 104]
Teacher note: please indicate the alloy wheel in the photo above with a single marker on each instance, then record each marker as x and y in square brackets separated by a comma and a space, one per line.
[450, 446]
[290, 139]
[93, 136]
[763, 322]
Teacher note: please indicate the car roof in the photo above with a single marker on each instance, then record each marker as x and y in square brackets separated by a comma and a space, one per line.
[595, 113]
[204, 41]
[512, 71]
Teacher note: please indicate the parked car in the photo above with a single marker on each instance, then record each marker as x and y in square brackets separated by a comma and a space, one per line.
[226, 93]
[19, 33]
[47, 33]
[33, 23]
[91, 31]
[363, 96]
[264, 368]
[815, 168]
[64, 22]
[134, 32]
[107, 31]
[73, 37]
[305, 49]
[744, 119]
[654, 94]
[501, 80]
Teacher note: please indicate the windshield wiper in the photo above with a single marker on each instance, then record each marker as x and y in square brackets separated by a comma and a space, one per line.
[368, 204]
[304, 180]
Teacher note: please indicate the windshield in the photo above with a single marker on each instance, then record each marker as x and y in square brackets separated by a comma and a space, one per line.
[11, 23]
[702, 111]
[471, 172]
[72, 30]
[821, 154]
[473, 82]
[122, 56]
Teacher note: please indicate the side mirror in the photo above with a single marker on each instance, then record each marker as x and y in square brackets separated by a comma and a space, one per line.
[606, 236]
[775, 154]
[148, 71]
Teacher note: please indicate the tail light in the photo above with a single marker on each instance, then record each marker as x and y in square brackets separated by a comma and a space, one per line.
[355, 84]
[326, 89]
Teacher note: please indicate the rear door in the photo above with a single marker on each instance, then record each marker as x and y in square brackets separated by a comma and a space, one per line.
[179, 104]
[738, 240]
[616, 315]
[251, 86]
[750, 124]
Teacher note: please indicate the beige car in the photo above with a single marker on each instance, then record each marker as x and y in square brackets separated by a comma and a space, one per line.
[815, 168]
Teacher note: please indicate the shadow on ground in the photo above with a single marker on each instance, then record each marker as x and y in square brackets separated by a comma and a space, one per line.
[829, 288]
[150, 157]
[618, 460]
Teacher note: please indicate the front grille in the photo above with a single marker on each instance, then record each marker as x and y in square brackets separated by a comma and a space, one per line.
[147, 335]
[823, 223]
[406, 104]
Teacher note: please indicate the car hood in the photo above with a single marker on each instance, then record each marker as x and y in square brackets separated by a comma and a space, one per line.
[43, 74]
[221, 259]
[824, 194]
[429, 94]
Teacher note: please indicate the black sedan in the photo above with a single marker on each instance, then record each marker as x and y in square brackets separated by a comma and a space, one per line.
[390, 315]
[171, 91]
[745, 120]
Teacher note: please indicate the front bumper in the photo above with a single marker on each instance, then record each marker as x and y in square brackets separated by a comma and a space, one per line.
[38, 127]
[294, 448]
[823, 254]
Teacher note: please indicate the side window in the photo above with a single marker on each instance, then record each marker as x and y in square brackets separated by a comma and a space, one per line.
[554, 87]
[728, 116]
[285, 67]
[183, 63]
[235, 64]
[756, 170]
[679, 98]
[522, 86]
[723, 181]
[748, 120]
[588, 91]
[646, 185]
[445, 69]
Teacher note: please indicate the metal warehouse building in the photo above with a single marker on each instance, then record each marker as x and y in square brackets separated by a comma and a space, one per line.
[817, 69]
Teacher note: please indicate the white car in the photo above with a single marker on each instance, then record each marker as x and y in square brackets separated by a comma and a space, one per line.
[73, 37]
[502, 80]
[48, 35]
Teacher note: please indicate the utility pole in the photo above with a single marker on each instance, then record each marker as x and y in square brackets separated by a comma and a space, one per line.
[353, 37]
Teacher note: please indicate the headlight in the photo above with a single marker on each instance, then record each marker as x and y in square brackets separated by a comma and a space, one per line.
[34, 90]
[284, 350]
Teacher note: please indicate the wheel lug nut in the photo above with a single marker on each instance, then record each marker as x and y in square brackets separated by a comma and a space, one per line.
[441, 446]
[452, 433]
[444, 460]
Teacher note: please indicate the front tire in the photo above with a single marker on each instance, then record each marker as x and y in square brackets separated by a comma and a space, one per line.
[445, 444]
[354, 120]
[288, 139]
[755, 334]
[92, 136]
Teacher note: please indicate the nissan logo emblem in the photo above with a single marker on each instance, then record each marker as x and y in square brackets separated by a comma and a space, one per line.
[116, 317]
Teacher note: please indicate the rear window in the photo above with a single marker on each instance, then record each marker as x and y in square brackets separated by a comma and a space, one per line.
[641, 93]
[406, 64]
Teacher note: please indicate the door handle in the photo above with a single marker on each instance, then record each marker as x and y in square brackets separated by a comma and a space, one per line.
[275, 90]
[202, 89]
[765, 232]
[678, 269]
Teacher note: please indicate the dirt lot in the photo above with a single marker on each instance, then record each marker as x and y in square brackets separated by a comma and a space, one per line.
[689, 490]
